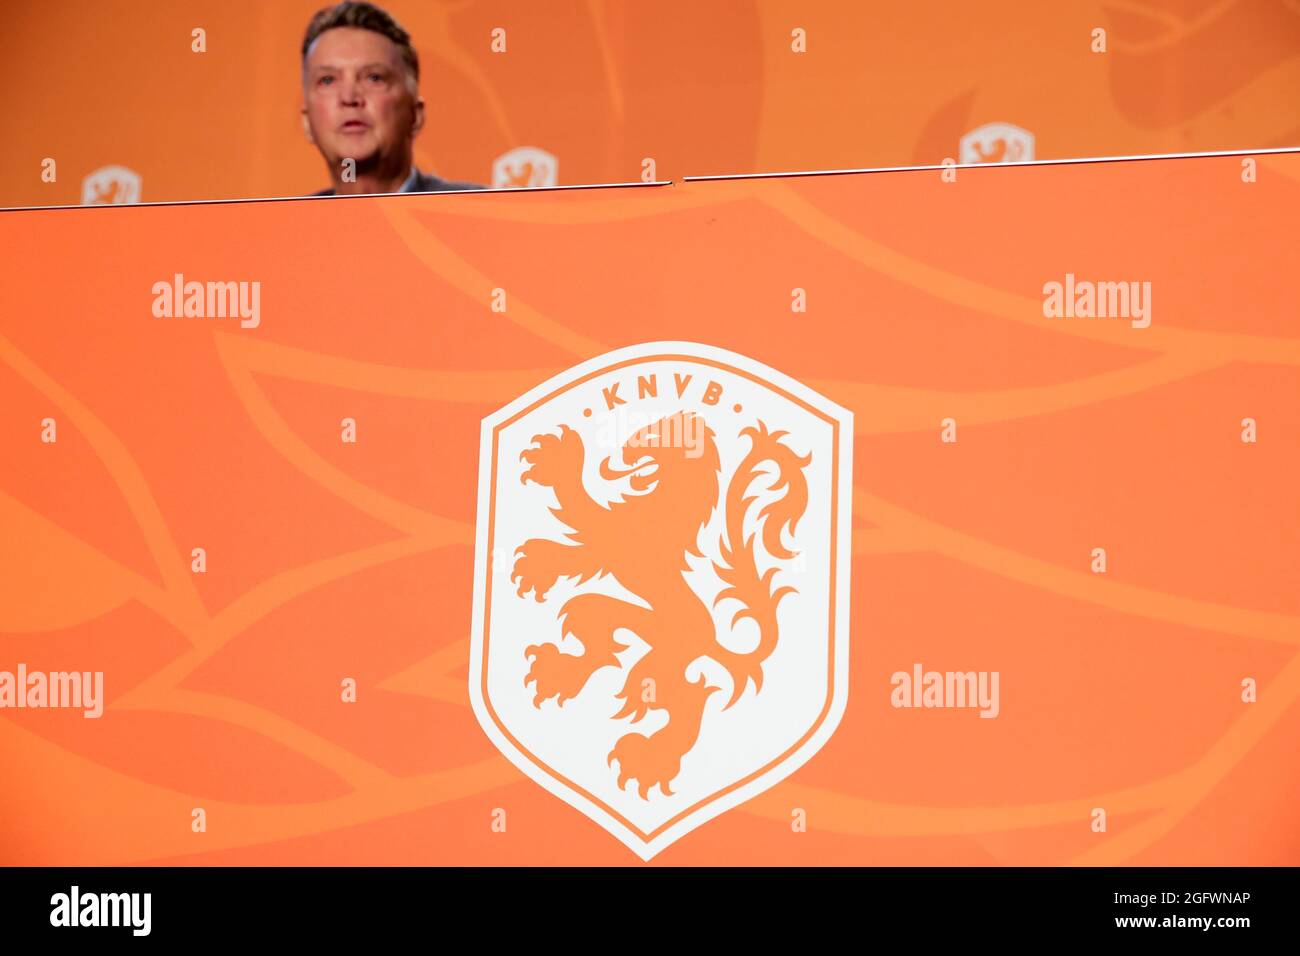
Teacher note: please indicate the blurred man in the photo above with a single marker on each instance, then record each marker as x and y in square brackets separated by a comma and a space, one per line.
[361, 102]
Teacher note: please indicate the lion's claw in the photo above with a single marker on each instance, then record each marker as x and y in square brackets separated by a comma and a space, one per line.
[554, 673]
[744, 669]
[634, 707]
[532, 573]
[553, 459]
[647, 760]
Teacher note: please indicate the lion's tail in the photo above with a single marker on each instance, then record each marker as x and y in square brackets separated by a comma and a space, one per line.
[756, 593]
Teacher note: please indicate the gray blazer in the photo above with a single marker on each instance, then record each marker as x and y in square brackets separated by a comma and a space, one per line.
[424, 183]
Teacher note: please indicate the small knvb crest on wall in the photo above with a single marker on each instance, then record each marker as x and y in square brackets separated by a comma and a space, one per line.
[525, 166]
[110, 185]
[996, 143]
[660, 624]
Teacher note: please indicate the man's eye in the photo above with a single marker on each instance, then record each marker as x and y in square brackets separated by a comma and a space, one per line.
[376, 77]
[324, 79]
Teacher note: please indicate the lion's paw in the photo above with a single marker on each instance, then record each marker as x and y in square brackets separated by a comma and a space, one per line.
[555, 673]
[534, 569]
[553, 459]
[647, 760]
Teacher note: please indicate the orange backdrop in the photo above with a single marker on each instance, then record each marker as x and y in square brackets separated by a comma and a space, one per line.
[702, 88]
[328, 560]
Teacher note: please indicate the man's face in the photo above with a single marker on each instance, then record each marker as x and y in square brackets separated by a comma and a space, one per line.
[358, 100]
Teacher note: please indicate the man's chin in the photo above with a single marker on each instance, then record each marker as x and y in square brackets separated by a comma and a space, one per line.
[364, 153]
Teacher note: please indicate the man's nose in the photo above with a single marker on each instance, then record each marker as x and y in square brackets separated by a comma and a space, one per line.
[350, 92]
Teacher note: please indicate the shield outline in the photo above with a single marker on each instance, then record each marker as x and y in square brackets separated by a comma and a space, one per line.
[815, 737]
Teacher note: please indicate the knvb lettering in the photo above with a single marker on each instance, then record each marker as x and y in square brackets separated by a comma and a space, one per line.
[1103, 300]
[620, 424]
[71, 689]
[647, 386]
[103, 909]
[210, 300]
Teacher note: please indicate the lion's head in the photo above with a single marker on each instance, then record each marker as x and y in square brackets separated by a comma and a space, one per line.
[664, 453]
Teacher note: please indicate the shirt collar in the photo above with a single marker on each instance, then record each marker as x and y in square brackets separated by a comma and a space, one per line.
[409, 185]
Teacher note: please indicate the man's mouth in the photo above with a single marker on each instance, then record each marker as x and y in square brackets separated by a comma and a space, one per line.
[354, 126]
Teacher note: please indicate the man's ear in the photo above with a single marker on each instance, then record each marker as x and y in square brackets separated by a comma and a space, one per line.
[419, 116]
[306, 126]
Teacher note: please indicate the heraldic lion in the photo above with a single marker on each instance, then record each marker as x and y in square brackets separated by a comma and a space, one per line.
[642, 540]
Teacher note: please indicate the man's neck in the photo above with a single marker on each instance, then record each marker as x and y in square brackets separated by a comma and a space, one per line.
[388, 180]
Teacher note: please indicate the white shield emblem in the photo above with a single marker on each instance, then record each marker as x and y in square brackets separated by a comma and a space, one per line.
[997, 143]
[110, 185]
[525, 166]
[661, 592]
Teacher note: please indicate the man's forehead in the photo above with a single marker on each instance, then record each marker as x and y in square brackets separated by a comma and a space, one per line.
[352, 45]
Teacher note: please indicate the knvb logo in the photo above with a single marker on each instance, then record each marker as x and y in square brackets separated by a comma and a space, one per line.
[996, 143]
[661, 614]
[525, 166]
[110, 185]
